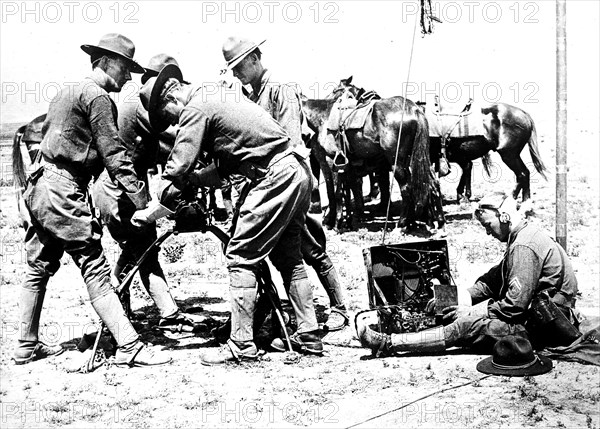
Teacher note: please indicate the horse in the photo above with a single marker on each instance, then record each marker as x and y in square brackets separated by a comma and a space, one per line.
[507, 129]
[31, 135]
[395, 136]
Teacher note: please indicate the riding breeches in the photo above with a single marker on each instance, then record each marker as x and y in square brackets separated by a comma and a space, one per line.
[270, 221]
[59, 219]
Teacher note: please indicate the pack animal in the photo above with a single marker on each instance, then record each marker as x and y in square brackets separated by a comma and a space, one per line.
[394, 137]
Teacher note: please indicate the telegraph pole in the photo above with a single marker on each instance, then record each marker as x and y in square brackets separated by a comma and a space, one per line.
[561, 123]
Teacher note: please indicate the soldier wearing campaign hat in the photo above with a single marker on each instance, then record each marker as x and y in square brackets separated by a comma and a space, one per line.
[80, 140]
[283, 102]
[530, 293]
[144, 144]
[244, 140]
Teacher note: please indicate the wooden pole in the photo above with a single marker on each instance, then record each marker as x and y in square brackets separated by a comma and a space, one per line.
[561, 123]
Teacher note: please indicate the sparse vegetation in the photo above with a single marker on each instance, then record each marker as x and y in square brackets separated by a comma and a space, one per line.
[343, 387]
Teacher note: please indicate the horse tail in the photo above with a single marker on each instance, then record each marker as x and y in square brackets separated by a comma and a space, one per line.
[535, 153]
[420, 164]
[18, 166]
[486, 160]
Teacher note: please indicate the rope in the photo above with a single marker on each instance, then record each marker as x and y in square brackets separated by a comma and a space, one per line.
[417, 400]
[387, 212]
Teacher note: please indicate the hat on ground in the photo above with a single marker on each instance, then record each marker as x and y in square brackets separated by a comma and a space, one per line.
[156, 64]
[235, 49]
[150, 95]
[513, 356]
[114, 43]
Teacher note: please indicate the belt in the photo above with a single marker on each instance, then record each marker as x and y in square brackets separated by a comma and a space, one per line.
[255, 172]
[56, 171]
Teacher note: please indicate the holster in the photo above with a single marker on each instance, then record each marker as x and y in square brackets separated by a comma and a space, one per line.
[548, 324]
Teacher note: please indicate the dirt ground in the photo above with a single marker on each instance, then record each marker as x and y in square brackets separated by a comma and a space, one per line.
[343, 388]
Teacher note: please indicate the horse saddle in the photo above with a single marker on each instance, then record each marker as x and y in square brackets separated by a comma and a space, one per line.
[349, 114]
[451, 122]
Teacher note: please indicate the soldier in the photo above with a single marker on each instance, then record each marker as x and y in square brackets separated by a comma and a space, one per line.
[116, 208]
[535, 279]
[243, 139]
[283, 103]
[80, 140]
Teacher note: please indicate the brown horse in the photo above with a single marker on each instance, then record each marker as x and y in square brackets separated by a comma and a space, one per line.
[395, 136]
[507, 130]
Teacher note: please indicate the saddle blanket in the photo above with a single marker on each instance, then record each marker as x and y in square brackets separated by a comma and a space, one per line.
[349, 115]
[470, 124]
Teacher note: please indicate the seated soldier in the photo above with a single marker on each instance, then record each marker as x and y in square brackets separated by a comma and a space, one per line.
[500, 303]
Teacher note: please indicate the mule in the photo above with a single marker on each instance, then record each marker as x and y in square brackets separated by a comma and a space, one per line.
[507, 129]
[395, 137]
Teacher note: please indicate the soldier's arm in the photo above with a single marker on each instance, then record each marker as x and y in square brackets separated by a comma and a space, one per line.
[183, 158]
[487, 286]
[523, 272]
[118, 163]
[289, 112]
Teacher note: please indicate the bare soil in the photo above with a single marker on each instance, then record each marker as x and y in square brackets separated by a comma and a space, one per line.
[345, 387]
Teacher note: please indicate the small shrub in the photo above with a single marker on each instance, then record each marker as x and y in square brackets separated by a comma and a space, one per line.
[173, 252]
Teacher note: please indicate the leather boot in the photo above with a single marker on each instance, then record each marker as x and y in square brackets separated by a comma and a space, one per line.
[154, 281]
[428, 341]
[331, 284]
[29, 348]
[243, 303]
[231, 352]
[112, 314]
[376, 341]
[31, 302]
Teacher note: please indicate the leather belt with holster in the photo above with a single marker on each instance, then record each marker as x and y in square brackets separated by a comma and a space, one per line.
[548, 323]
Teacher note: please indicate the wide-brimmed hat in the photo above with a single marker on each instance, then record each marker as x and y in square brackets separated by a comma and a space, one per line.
[156, 64]
[150, 95]
[235, 49]
[513, 356]
[115, 43]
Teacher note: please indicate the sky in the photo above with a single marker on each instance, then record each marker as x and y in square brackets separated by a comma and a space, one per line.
[489, 50]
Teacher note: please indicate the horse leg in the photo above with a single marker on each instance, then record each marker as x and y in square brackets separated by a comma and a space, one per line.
[374, 185]
[407, 212]
[383, 178]
[468, 172]
[329, 217]
[315, 196]
[516, 164]
[341, 185]
[460, 189]
[436, 206]
[355, 183]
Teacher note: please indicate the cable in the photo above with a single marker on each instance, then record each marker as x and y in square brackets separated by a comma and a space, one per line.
[417, 400]
[387, 213]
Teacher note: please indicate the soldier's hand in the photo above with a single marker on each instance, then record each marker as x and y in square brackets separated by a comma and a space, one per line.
[150, 214]
[206, 177]
[453, 312]
[140, 218]
[430, 307]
